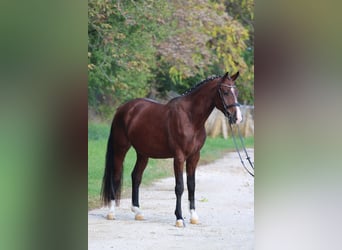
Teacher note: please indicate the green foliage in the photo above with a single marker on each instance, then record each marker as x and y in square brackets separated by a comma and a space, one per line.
[243, 11]
[121, 48]
[98, 131]
[138, 47]
[205, 34]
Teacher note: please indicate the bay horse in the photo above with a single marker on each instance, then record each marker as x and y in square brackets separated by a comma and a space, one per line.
[172, 130]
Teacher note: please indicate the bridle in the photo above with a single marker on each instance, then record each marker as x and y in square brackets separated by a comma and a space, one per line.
[225, 106]
[229, 117]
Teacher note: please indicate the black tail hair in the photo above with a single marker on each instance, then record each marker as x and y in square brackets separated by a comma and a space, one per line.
[111, 182]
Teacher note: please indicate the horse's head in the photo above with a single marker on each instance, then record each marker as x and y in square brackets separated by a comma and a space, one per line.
[226, 98]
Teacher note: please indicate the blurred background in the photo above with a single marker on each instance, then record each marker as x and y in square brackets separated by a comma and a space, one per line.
[159, 49]
[48, 67]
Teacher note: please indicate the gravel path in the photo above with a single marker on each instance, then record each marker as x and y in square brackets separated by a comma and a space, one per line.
[224, 202]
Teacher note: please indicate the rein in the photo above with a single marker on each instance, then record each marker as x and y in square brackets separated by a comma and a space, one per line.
[244, 148]
[230, 121]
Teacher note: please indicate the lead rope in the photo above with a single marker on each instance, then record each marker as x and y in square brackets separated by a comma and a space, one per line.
[244, 148]
[238, 151]
[229, 118]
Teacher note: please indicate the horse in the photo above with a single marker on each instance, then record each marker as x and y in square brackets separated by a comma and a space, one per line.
[172, 130]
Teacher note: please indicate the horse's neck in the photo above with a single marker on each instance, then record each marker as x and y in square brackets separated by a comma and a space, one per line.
[201, 103]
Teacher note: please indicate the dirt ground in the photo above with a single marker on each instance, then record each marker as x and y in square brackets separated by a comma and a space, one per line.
[224, 203]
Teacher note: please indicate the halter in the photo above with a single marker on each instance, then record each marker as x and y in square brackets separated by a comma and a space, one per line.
[230, 119]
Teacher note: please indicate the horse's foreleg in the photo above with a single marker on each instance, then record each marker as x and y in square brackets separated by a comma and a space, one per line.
[191, 164]
[111, 212]
[137, 173]
[179, 189]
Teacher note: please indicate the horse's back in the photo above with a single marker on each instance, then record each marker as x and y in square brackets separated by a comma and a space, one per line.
[145, 124]
[139, 108]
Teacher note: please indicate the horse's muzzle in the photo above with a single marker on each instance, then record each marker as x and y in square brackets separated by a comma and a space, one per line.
[235, 117]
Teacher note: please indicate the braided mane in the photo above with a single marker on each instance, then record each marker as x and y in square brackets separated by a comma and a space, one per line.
[210, 78]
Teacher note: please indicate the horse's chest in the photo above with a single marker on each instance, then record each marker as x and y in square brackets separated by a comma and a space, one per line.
[191, 143]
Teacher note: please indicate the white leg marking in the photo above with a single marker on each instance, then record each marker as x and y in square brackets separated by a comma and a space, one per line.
[137, 212]
[111, 212]
[193, 217]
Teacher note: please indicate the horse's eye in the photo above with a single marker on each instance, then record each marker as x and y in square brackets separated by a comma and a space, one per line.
[225, 93]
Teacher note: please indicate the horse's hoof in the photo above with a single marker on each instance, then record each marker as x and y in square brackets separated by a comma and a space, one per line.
[179, 223]
[194, 221]
[110, 216]
[139, 217]
[193, 217]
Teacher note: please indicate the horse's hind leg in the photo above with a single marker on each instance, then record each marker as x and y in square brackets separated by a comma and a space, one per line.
[191, 164]
[118, 158]
[178, 165]
[137, 173]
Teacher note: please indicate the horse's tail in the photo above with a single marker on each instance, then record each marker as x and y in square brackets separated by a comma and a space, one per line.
[112, 178]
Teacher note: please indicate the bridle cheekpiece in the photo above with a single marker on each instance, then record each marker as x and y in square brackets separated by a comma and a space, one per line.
[225, 106]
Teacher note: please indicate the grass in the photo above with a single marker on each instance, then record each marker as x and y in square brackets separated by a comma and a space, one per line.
[98, 134]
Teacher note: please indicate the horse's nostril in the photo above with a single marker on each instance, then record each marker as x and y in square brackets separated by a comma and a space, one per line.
[232, 119]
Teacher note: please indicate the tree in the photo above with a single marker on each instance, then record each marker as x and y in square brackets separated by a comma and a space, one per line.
[243, 11]
[206, 40]
[137, 46]
[121, 48]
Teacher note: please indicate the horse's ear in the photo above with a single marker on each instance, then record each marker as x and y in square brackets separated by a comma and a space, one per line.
[233, 77]
[226, 76]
